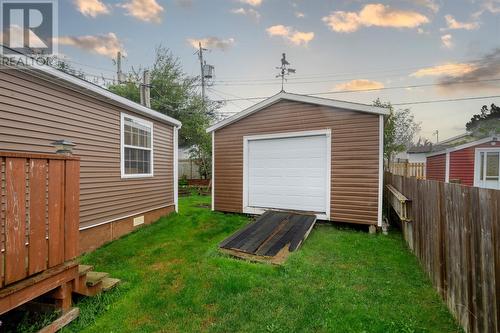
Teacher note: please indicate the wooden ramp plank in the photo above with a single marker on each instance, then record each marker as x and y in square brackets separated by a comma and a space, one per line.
[274, 234]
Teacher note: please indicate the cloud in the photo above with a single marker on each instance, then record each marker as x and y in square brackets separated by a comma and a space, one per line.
[447, 41]
[91, 8]
[254, 3]
[300, 15]
[377, 15]
[144, 10]
[492, 6]
[250, 12]
[107, 45]
[360, 84]
[290, 34]
[448, 69]
[212, 43]
[430, 4]
[453, 24]
[486, 68]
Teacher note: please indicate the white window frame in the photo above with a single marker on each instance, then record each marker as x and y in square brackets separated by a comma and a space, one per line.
[326, 132]
[122, 144]
[477, 164]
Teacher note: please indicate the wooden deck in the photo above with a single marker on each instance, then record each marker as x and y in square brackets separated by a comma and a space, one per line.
[271, 237]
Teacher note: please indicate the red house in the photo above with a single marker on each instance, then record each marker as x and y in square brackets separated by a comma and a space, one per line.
[474, 163]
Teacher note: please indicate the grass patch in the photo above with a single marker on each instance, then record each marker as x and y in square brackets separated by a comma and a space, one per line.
[341, 280]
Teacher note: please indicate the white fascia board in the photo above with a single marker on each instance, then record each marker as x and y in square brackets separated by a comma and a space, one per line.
[213, 171]
[122, 101]
[176, 169]
[300, 98]
[447, 169]
[380, 169]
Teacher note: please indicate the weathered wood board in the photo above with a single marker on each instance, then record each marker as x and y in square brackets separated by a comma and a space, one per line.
[271, 237]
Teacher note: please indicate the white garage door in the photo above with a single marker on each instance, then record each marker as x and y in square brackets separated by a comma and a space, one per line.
[289, 173]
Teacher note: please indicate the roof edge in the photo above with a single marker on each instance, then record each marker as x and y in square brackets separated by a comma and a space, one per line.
[299, 98]
[494, 137]
[122, 101]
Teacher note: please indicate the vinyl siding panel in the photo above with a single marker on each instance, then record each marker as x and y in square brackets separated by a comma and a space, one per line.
[436, 167]
[462, 164]
[35, 112]
[355, 151]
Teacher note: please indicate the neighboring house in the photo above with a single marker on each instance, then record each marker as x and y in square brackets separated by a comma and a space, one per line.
[475, 163]
[302, 153]
[415, 154]
[128, 152]
[187, 166]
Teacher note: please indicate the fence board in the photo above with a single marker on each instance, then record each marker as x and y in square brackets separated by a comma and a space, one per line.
[72, 209]
[15, 219]
[56, 212]
[455, 233]
[37, 251]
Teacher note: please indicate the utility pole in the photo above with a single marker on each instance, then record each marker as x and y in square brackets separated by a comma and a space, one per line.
[145, 89]
[436, 133]
[119, 73]
[284, 71]
[200, 57]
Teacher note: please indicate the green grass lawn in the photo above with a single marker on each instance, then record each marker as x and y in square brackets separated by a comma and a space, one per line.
[341, 280]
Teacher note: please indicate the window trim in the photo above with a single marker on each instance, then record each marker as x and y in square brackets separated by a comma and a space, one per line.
[477, 165]
[122, 146]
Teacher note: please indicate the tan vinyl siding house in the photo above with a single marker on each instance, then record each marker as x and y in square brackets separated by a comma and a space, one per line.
[41, 105]
[297, 135]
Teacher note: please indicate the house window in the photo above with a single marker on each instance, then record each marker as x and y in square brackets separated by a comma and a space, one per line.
[488, 168]
[137, 147]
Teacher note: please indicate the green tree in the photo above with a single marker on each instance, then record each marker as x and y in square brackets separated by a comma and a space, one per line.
[486, 122]
[176, 94]
[399, 131]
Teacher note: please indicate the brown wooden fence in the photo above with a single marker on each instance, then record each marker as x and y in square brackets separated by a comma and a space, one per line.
[39, 213]
[455, 233]
[408, 169]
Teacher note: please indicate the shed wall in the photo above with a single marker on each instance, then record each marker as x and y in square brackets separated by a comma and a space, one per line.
[355, 156]
[436, 167]
[35, 112]
[462, 164]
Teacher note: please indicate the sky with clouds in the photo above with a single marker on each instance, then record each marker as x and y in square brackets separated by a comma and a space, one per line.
[401, 51]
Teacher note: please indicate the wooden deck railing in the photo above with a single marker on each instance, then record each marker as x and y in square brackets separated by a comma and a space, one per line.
[39, 213]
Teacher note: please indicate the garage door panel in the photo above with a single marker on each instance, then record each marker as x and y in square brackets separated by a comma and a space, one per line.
[288, 173]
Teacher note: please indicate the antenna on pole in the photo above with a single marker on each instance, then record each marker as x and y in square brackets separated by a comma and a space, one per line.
[285, 70]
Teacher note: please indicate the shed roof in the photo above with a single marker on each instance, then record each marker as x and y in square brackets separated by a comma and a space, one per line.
[69, 81]
[493, 137]
[299, 98]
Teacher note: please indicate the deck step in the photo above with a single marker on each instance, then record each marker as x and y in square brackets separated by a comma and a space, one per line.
[94, 278]
[84, 269]
[109, 283]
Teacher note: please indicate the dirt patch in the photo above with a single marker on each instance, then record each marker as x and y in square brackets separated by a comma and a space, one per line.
[166, 265]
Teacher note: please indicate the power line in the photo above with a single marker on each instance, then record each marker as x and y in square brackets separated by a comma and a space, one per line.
[447, 100]
[337, 74]
[381, 89]
[428, 102]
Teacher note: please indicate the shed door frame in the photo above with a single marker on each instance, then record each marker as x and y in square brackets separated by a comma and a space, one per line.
[325, 132]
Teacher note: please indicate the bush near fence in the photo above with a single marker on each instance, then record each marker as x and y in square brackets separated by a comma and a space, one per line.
[455, 233]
